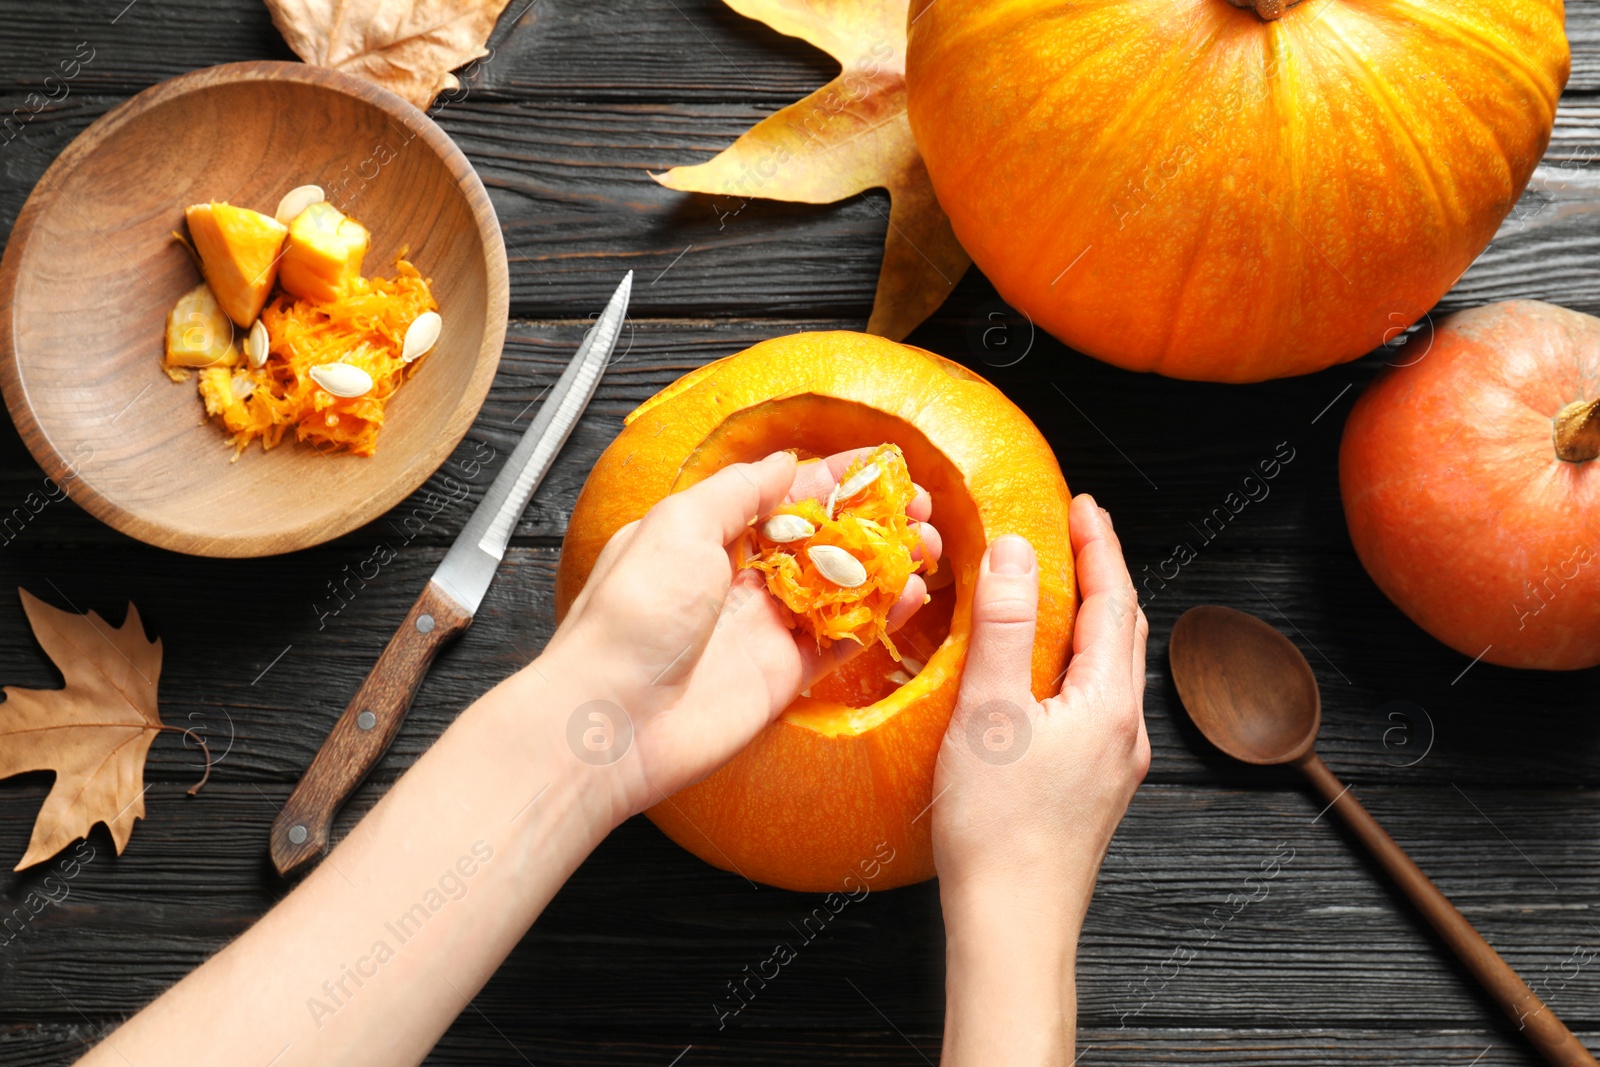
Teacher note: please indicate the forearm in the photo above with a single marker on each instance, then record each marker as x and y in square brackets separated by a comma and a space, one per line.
[1010, 997]
[373, 955]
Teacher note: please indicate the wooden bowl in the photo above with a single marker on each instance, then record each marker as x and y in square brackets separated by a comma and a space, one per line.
[92, 269]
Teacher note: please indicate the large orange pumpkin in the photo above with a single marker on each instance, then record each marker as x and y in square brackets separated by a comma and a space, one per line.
[850, 767]
[1188, 187]
[1471, 482]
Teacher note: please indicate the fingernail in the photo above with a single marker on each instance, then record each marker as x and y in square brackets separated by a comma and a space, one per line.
[775, 455]
[1104, 514]
[1010, 555]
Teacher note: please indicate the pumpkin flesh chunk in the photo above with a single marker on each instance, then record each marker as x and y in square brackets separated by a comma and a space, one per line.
[238, 250]
[323, 254]
[199, 334]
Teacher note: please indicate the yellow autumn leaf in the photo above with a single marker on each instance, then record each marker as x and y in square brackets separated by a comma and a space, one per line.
[848, 136]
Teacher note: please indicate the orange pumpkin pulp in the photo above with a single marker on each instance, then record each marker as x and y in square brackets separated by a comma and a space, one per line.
[866, 520]
[849, 768]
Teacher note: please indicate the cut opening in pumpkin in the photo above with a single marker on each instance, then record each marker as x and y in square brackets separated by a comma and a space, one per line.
[873, 687]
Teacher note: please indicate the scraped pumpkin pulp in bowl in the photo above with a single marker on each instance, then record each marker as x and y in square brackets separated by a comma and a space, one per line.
[286, 333]
[845, 775]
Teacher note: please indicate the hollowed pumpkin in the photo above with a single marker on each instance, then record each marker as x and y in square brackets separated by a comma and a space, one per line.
[1211, 191]
[851, 765]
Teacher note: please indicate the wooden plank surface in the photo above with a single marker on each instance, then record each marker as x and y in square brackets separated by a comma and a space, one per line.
[1486, 774]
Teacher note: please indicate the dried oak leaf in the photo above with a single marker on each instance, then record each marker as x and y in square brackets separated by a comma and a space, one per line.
[93, 733]
[406, 46]
[848, 136]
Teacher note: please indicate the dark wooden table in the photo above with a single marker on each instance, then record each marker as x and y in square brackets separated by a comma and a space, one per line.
[1486, 775]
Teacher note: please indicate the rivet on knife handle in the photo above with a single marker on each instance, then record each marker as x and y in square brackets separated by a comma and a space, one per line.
[365, 730]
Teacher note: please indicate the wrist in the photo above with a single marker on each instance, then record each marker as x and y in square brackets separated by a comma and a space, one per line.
[1010, 955]
[980, 912]
[578, 728]
[1055, 877]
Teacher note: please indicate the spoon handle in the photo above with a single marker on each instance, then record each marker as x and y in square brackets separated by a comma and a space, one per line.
[1545, 1031]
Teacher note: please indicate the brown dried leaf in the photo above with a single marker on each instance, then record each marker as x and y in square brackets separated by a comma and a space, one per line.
[407, 46]
[852, 134]
[94, 733]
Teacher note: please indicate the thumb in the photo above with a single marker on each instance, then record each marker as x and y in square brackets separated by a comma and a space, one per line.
[1005, 607]
[719, 508]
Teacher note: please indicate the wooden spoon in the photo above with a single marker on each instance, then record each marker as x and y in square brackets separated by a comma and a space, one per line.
[1253, 695]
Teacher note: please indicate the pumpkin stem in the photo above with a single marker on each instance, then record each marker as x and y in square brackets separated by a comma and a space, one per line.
[1576, 430]
[1269, 10]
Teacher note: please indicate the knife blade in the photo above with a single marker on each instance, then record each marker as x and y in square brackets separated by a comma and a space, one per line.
[445, 608]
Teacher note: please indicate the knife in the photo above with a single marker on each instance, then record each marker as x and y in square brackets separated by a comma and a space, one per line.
[445, 608]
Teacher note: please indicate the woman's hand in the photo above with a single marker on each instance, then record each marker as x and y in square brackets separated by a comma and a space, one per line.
[369, 959]
[1019, 829]
[684, 654]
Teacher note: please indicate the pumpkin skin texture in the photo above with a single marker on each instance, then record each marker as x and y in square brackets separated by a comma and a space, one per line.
[1457, 502]
[819, 792]
[1180, 186]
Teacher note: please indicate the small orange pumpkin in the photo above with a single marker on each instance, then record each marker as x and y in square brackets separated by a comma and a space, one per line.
[1471, 479]
[849, 767]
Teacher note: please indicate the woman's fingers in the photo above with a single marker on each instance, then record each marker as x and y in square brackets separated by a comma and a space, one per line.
[932, 546]
[921, 507]
[1103, 636]
[1005, 608]
[722, 506]
[911, 599]
[812, 479]
[815, 479]
[603, 565]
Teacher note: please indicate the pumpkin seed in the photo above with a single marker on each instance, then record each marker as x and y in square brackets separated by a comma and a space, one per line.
[833, 499]
[859, 481]
[786, 528]
[242, 386]
[297, 200]
[256, 345]
[341, 379]
[838, 566]
[913, 666]
[898, 677]
[421, 336]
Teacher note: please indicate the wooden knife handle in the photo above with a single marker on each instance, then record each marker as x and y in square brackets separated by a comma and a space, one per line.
[363, 733]
[1544, 1030]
